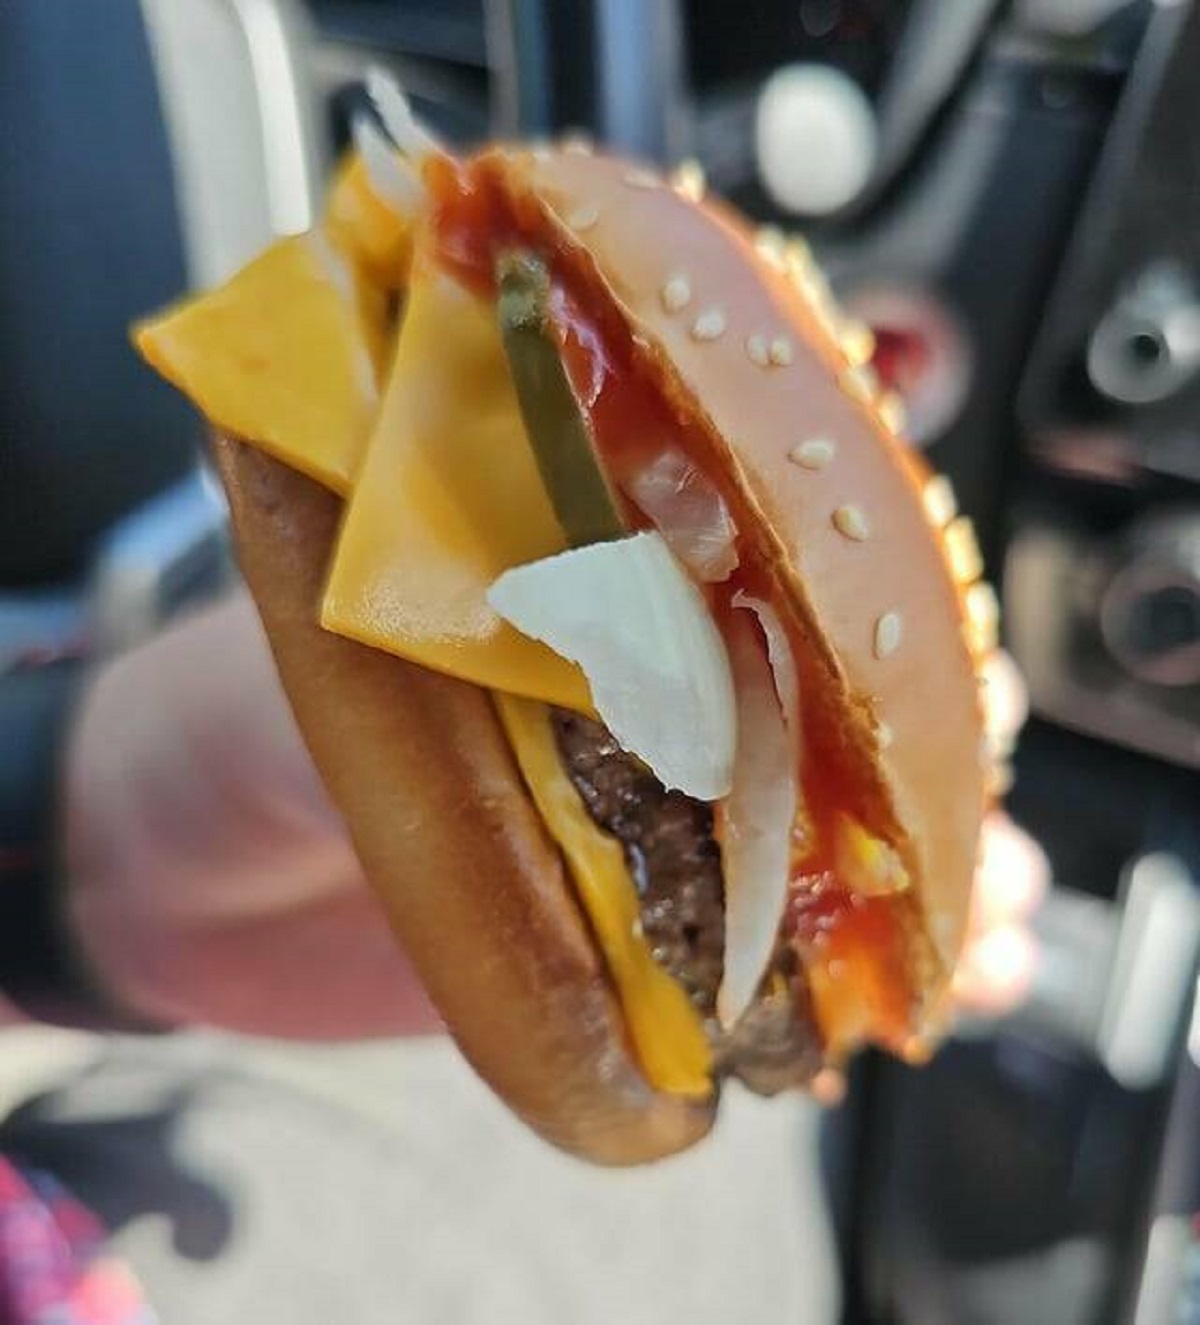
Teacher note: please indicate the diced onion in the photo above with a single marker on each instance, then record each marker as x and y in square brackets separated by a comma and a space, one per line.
[628, 614]
[393, 181]
[689, 513]
[754, 823]
[392, 105]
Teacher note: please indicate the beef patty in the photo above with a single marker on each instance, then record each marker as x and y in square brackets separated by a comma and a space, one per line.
[675, 862]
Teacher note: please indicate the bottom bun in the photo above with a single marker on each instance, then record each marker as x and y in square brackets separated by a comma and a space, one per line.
[449, 839]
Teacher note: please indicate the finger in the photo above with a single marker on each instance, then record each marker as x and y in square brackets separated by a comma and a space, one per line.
[1012, 878]
[996, 971]
[828, 1087]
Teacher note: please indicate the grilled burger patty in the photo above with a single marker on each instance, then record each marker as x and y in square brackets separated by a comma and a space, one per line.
[676, 866]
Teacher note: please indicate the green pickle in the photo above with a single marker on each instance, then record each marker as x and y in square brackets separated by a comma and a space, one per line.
[584, 503]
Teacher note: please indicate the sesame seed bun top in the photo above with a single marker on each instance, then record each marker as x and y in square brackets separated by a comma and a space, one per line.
[743, 340]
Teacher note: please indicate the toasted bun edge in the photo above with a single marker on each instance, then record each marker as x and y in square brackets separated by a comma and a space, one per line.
[448, 838]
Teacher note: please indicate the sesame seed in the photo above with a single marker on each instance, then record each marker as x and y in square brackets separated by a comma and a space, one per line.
[858, 341]
[851, 523]
[676, 294]
[688, 180]
[860, 383]
[888, 629]
[983, 618]
[816, 453]
[1000, 780]
[940, 505]
[781, 351]
[884, 735]
[891, 411]
[966, 562]
[772, 245]
[810, 279]
[758, 350]
[709, 325]
[824, 308]
[583, 218]
[641, 179]
[811, 282]
[577, 144]
[999, 743]
[799, 258]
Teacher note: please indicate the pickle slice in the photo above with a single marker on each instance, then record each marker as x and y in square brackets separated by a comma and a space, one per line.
[558, 432]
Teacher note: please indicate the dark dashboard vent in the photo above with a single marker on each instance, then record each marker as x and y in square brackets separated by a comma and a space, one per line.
[447, 30]
[436, 48]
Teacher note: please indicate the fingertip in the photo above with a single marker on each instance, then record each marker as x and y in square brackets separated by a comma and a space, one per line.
[828, 1087]
[997, 971]
[1013, 875]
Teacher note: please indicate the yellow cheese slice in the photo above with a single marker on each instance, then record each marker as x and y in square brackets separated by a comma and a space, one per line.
[666, 1030]
[448, 497]
[367, 230]
[286, 355]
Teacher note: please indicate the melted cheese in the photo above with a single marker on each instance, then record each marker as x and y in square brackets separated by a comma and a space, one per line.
[449, 496]
[866, 864]
[286, 355]
[666, 1030]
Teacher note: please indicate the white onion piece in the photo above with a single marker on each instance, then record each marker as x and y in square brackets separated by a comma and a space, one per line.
[754, 823]
[393, 181]
[389, 100]
[787, 687]
[627, 613]
[689, 513]
[783, 665]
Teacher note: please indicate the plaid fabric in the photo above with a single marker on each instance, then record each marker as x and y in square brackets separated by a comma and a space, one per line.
[53, 1268]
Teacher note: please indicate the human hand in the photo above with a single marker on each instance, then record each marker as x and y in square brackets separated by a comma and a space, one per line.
[210, 879]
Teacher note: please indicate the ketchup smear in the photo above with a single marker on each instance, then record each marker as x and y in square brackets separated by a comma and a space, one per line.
[855, 940]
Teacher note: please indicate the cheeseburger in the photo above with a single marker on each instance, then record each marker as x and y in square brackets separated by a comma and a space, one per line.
[639, 655]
